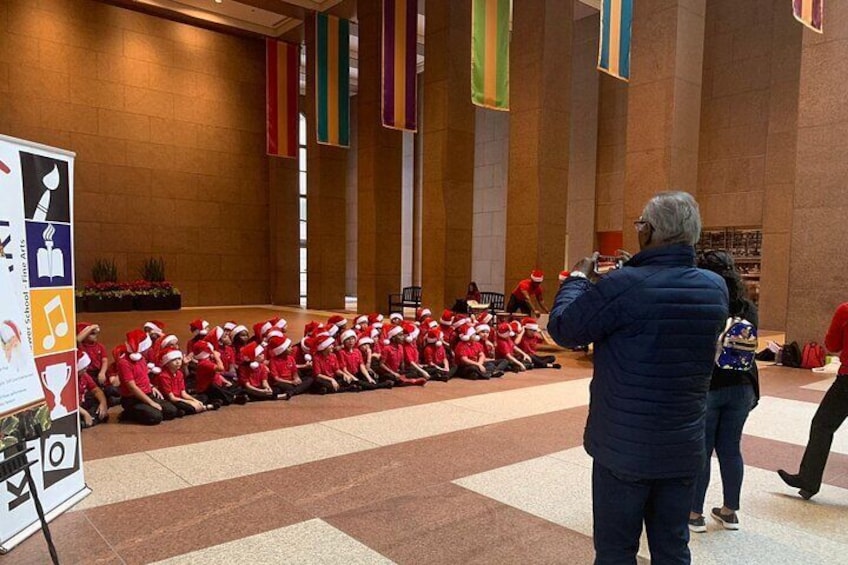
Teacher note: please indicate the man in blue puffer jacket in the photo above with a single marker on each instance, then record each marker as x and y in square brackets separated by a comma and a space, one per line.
[654, 325]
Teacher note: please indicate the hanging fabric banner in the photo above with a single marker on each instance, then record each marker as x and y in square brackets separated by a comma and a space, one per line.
[810, 13]
[490, 53]
[616, 23]
[400, 66]
[282, 82]
[332, 85]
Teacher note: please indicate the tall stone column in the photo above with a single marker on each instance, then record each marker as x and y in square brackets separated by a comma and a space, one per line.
[380, 159]
[326, 172]
[539, 132]
[818, 254]
[448, 139]
[664, 104]
[284, 232]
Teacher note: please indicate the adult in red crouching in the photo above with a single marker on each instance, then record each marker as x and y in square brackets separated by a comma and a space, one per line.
[830, 415]
[141, 401]
[283, 368]
[505, 349]
[93, 408]
[528, 341]
[521, 299]
[253, 374]
[171, 382]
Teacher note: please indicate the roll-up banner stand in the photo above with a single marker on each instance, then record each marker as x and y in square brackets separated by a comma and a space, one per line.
[38, 378]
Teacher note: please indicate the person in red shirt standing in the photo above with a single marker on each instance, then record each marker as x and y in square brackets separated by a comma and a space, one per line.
[435, 360]
[283, 368]
[521, 299]
[353, 363]
[253, 375]
[528, 341]
[171, 382]
[505, 349]
[830, 415]
[93, 408]
[141, 401]
[392, 362]
[87, 340]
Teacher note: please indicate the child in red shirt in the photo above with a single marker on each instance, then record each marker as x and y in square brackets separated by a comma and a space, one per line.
[495, 366]
[210, 382]
[93, 408]
[469, 356]
[435, 360]
[411, 355]
[87, 340]
[528, 341]
[353, 364]
[253, 374]
[282, 366]
[392, 362]
[171, 383]
[329, 376]
[505, 349]
[141, 401]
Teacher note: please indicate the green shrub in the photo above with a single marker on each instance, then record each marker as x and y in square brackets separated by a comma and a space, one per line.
[104, 270]
[153, 270]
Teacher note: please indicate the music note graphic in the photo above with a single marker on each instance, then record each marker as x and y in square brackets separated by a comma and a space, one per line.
[61, 328]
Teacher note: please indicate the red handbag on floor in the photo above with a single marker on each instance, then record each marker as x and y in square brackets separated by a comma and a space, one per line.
[812, 356]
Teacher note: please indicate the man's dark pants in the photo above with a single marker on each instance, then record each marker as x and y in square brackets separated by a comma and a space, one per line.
[620, 505]
[829, 417]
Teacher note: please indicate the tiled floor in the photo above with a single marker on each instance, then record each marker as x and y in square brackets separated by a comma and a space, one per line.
[462, 472]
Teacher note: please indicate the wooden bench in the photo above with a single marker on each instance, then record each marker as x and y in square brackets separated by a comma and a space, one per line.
[409, 297]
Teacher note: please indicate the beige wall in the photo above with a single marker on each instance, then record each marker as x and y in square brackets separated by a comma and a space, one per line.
[612, 148]
[167, 121]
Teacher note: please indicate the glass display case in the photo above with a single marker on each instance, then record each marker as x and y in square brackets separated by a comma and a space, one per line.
[745, 246]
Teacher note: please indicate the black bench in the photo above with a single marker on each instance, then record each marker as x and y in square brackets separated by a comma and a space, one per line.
[495, 300]
[409, 297]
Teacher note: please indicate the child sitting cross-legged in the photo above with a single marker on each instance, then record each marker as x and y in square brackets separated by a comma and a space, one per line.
[210, 381]
[505, 349]
[328, 373]
[469, 357]
[171, 383]
[93, 408]
[353, 363]
[435, 360]
[141, 401]
[528, 340]
[253, 374]
[282, 367]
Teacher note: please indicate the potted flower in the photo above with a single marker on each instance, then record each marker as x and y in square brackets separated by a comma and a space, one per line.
[153, 292]
[104, 293]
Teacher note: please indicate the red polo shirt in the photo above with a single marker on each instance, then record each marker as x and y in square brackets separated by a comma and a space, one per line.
[434, 355]
[133, 371]
[86, 385]
[465, 349]
[529, 343]
[504, 347]
[324, 364]
[528, 286]
[350, 360]
[207, 375]
[253, 377]
[171, 383]
[96, 352]
[283, 367]
[410, 354]
[836, 340]
[393, 357]
[228, 356]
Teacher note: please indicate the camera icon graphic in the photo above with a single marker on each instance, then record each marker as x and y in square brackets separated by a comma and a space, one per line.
[60, 452]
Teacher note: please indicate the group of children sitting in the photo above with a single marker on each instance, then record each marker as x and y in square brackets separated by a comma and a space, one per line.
[154, 380]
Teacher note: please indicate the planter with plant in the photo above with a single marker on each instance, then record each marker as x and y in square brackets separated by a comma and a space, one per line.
[153, 292]
[105, 293]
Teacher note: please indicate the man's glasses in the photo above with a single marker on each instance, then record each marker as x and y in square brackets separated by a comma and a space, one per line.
[640, 224]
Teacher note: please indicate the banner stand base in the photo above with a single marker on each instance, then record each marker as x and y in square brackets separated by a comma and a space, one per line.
[10, 544]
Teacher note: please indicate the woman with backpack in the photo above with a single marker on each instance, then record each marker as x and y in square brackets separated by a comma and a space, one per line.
[734, 391]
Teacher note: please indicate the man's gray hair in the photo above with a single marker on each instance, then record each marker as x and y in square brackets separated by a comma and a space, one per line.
[675, 218]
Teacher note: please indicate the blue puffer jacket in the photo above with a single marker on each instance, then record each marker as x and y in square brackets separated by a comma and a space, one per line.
[654, 324]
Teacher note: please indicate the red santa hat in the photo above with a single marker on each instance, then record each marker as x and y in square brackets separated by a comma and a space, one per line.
[429, 324]
[308, 345]
[410, 332]
[84, 329]
[484, 317]
[279, 345]
[119, 351]
[375, 333]
[505, 331]
[466, 332]
[325, 341]
[258, 330]
[251, 353]
[168, 340]
[274, 333]
[83, 361]
[537, 276]
[563, 275]
[395, 316]
[530, 324]
[422, 313]
[9, 330]
[154, 327]
[483, 328]
[310, 327]
[205, 372]
[230, 326]
[364, 339]
[202, 349]
[332, 330]
[347, 334]
[199, 327]
[170, 354]
[447, 318]
[361, 321]
[238, 330]
[434, 337]
[137, 343]
[215, 334]
[515, 326]
[375, 318]
[390, 332]
[459, 321]
[337, 320]
[281, 324]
